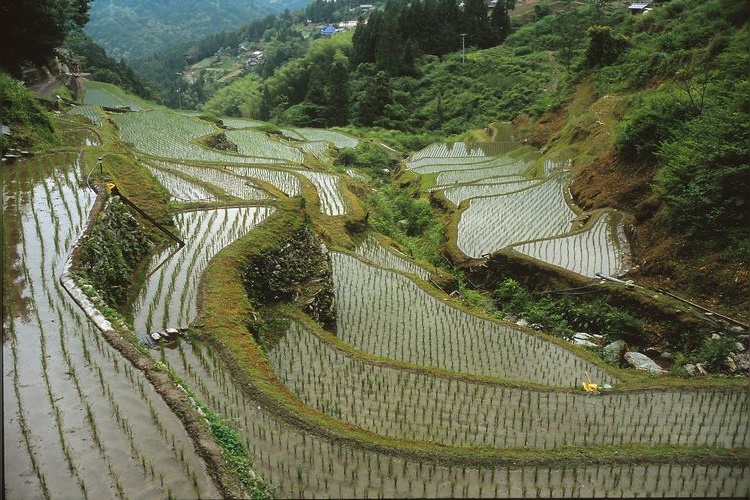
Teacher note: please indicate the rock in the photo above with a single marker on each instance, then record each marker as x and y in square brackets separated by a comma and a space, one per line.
[701, 369]
[742, 360]
[715, 336]
[691, 370]
[583, 336]
[653, 352]
[612, 353]
[584, 343]
[730, 365]
[737, 329]
[522, 322]
[642, 362]
[739, 347]
[667, 356]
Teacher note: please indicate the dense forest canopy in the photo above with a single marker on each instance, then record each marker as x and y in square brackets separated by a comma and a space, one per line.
[133, 29]
[32, 29]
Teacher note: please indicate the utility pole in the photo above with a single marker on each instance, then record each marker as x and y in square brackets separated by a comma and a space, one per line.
[463, 47]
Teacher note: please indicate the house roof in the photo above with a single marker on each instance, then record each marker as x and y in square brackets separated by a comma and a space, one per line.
[329, 30]
[638, 6]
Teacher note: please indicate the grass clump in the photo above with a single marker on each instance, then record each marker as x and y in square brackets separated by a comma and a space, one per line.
[114, 248]
[31, 124]
[236, 455]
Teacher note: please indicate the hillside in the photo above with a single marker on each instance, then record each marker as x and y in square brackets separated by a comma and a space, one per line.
[132, 29]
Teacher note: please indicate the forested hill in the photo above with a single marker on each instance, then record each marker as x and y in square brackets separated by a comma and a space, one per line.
[132, 29]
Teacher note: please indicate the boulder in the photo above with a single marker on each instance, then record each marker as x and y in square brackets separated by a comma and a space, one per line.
[730, 365]
[585, 336]
[701, 369]
[612, 353]
[742, 361]
[739, 347]
[584, 343]
[691, 370]
[640, 361]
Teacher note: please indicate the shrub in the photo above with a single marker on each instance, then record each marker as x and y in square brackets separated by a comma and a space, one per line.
[653, 119]
[715, 352]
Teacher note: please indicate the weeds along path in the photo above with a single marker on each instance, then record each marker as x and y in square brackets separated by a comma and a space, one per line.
[79, 422]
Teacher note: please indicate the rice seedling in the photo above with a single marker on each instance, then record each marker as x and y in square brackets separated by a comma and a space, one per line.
[533, 213]
[258, 144]
[388, 314]
[595, 250]
[329, 193]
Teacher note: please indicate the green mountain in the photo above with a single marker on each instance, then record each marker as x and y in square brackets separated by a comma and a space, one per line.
[132, 29]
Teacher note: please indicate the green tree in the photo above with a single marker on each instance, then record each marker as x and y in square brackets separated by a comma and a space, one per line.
[568, 29]
[32, 29]
[500, 18]
[476, 24]
[604, 48]
[370, 93]
[705, 180]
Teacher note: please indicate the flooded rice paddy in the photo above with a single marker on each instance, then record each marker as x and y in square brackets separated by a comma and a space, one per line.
[79, 421]
[82, 422]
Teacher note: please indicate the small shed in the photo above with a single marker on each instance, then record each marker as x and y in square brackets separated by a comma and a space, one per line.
[639, 8]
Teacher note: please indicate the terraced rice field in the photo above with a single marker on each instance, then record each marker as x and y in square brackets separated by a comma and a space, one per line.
[222, 178]
[78, 421]
[180, 188]
[283, 180]
[595, 250]
[89, 111]
[303, 465]
[81, 422]
[409, 405]
[317, 149]
[387, 314]
[257, 144]
[338, 139]
[97, 96]
[389, 258]
[240, 123]
[464, 150]
[168, 298]
[536, 212]
[506, 208]
[167, 134]
[329, 193]
[463, 192]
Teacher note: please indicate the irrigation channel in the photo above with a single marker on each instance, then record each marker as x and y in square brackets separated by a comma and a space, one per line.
[82, 422]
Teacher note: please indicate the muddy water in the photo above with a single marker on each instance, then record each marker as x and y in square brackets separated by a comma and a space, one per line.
[78, 421]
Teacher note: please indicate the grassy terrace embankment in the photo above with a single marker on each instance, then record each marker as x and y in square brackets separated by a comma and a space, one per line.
[227, 312]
